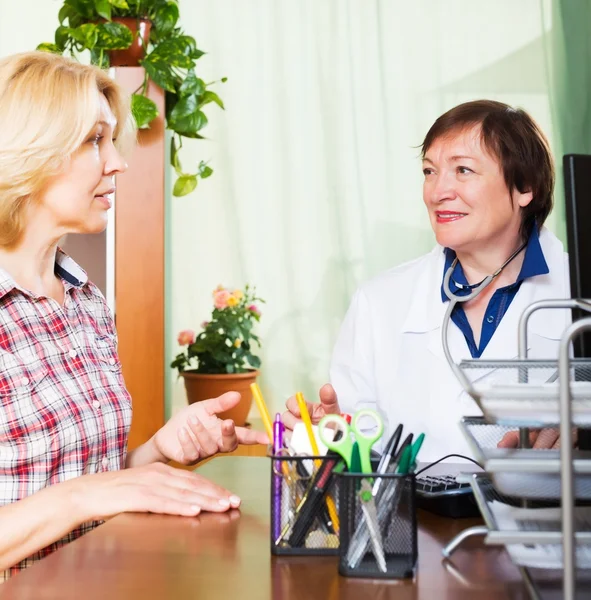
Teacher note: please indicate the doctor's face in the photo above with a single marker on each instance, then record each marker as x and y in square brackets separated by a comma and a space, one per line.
[470, 207]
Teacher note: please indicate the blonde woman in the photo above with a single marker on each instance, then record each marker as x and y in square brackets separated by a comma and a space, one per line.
[64, 410]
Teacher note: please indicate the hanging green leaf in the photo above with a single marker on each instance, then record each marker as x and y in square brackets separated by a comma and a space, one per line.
[186, 117]
[67, 12]
[210, 96]
[114, 36]
[160, 71]
[204, 170]
[192, 85]
[184, 185]
[122, 4]
[86, 34]
[99, 57]
[46, 47]
[85, 8]
[172, 53]
[62, 35]
[103, 8]
[165, 19]
[144, 111]
[174, 156]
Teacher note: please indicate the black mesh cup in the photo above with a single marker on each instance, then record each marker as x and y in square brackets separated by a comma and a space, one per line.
[377, 539]
[304, 505]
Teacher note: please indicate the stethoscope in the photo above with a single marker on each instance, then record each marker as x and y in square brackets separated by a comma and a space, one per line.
[454, 299]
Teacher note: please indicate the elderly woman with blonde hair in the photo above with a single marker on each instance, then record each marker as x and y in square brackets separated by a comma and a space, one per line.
[64, 410]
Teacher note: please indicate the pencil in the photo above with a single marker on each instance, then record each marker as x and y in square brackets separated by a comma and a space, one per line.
[265, 416]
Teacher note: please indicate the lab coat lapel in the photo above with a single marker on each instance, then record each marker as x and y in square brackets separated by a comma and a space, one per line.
[425, 318]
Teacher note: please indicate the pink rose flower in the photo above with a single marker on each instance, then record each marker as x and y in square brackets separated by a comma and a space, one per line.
[186, 337]
[254, 309]
[220, 299]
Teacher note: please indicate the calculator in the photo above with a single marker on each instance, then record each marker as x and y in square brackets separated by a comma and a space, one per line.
[445, 496]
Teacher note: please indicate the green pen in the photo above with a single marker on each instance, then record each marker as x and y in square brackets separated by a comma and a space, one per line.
[415, 451]
[404, 463]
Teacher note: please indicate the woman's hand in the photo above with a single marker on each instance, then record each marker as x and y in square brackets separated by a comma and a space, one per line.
[539, 439]
[155, 488]
[196, 432]
[328, 405]
[46, 516]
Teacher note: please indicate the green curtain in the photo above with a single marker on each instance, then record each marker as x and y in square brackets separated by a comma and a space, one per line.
[569, 62]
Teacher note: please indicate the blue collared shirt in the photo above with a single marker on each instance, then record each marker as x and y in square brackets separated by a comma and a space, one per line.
[534, 264]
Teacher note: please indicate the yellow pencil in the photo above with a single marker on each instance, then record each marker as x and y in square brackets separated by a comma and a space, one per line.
[258, 398]
[330, 504]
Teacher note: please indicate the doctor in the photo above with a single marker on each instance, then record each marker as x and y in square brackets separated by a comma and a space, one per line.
[488, 183]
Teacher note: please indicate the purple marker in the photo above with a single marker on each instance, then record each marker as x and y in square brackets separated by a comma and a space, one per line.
[278, 429]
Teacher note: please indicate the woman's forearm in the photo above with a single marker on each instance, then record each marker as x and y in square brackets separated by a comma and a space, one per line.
[39, 520]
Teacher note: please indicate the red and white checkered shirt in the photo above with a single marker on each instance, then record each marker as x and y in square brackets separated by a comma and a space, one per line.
[64, 409]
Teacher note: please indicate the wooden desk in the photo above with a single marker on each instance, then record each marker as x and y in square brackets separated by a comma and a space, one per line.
[227, 556]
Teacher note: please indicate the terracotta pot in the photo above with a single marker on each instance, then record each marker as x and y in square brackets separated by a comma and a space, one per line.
[201, 386]
[130, 57]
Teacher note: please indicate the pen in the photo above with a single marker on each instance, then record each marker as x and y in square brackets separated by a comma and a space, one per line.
[264, 412]
[387, 498]
[332, 509]
[414, 452]
[309, 506]
[278, 429]
[389, 452]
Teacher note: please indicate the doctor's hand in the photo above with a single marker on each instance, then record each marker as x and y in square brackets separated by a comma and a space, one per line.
[539, 439]
[328, 405]
[196, 432]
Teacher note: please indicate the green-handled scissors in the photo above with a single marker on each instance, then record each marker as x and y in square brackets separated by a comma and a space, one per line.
[345, 445]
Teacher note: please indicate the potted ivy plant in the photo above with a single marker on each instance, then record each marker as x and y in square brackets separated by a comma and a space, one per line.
[110, 29]
[221, 357]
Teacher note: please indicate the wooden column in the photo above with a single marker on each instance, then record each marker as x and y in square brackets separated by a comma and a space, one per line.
[139, 268]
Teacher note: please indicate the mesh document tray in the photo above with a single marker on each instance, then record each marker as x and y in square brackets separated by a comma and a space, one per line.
[526, 392]
[523, 473]
[532, 535]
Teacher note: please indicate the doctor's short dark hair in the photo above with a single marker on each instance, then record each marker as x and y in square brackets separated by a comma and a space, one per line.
[515, 140]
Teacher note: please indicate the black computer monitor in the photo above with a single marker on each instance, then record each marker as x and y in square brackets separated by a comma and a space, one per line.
[577, 184]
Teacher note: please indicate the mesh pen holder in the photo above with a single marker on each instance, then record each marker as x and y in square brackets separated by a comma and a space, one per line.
[304, 505]
[387, 546]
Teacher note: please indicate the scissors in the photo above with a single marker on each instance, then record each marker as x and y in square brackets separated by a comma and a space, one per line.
[345, 446]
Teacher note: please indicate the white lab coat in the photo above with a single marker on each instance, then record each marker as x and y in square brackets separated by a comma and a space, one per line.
[389, 354]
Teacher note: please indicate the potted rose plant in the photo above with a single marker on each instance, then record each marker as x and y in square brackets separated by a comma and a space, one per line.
[220, 358]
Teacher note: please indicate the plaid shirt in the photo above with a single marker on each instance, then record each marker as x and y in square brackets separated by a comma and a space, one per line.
[64, 409]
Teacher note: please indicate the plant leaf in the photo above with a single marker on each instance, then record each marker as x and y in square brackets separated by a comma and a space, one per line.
[103, 8]
[122, 4]
[186, 118]
[184, 185]
[67, 12]
[192, 85]
[114, 36]
[47, 47]
[205, 172]
[210, 96]
[144, 111]
[165, 18]
[160, 72]
[172, 52]
[62, 35]
[99, 57]
[84, 8]
[174, 156]
[86, 35]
